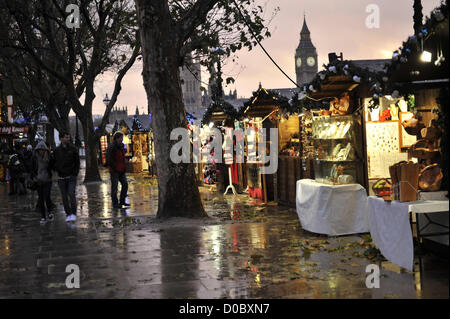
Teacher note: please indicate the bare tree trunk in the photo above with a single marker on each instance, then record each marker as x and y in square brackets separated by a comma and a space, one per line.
[90, 143]
[178, 193]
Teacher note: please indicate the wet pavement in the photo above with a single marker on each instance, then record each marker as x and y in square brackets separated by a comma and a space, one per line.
[244, 250]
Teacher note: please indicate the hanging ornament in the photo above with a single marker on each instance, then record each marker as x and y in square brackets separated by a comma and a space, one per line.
[440, 57]
[395, 56]
[439, 16]
[356, 79]
[322, 76]
[375, 96]
[332, 69]
[395, 94]
[412, 39]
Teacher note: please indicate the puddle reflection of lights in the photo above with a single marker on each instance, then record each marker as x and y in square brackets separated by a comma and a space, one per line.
[332, 283]
[258, 280]
[5, 250]
[106, 210]
[213, 238]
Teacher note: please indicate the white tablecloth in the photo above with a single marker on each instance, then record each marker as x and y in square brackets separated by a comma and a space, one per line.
[390, 227]
[391, 230]
[332, 209]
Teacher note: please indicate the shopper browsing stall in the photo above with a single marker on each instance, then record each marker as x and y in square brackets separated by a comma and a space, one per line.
[115, 159]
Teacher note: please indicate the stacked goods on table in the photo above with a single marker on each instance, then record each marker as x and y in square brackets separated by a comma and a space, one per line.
[383, 188]
[427, 152]
[405, 179]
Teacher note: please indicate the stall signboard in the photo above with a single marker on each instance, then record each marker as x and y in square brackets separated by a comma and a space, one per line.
[7, 130]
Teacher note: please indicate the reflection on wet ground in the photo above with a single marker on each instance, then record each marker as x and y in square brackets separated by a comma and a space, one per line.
[245, 250]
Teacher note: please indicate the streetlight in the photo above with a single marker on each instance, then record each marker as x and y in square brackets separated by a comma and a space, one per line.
[219, 90]
[106, 100]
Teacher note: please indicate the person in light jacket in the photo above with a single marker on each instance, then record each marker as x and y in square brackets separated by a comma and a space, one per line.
[41, 173]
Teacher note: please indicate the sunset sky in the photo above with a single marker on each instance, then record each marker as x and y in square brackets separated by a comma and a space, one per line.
[336, 26]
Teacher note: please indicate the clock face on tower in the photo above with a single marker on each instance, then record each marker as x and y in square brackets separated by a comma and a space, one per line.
[310, 61]
[299, 62]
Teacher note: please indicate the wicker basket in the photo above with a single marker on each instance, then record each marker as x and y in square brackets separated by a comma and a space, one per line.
[378, 191]
[430, 178]
[424, 149]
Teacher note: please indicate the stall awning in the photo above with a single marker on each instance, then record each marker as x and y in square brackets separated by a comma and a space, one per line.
[334, 86]
[261, 104]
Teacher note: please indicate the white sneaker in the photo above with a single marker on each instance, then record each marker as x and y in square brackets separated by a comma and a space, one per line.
[74, 217]
[43, 221]
[68, 218]
[51, 217]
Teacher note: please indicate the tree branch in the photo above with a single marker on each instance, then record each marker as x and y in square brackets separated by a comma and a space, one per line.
[117, 89]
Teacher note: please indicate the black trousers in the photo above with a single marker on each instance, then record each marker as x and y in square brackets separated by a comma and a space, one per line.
[44, 197]
[115, 179]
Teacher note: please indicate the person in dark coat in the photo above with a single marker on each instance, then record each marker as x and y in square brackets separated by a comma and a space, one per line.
[41, 173]
[17, 172]
[66, 161]
[115, 160]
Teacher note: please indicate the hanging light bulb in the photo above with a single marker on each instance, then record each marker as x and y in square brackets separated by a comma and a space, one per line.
[426, 56]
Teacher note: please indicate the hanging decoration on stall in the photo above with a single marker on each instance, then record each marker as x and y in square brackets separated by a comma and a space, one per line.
[137, 125]
[413, 47]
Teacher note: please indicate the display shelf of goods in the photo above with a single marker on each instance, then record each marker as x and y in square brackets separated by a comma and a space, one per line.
[306, 136]
[292, 147]
[338, 149]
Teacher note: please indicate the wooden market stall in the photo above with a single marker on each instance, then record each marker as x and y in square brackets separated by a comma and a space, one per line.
[262, 112]
[141, 147]
[225, 117]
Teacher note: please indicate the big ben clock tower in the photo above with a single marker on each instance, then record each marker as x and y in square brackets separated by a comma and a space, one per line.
[305, 57]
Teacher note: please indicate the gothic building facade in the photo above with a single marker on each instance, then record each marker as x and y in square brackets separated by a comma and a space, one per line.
[190, 85]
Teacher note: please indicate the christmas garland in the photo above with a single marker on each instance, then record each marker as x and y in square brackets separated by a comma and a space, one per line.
[226, 107]
[413, 44]
[410, 48]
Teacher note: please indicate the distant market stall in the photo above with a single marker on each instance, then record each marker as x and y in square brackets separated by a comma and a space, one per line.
[10, 134]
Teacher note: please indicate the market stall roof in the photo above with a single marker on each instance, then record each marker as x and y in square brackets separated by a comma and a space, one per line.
[262, 103]
[345, 76]
[220, 111]
[409, 70]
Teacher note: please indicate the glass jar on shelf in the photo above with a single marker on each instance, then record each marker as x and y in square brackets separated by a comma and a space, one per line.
[338, 143]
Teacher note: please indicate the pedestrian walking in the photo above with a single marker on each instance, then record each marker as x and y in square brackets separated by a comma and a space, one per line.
[41, 174]
[67, 163]
[115, 160]
[17, 172]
